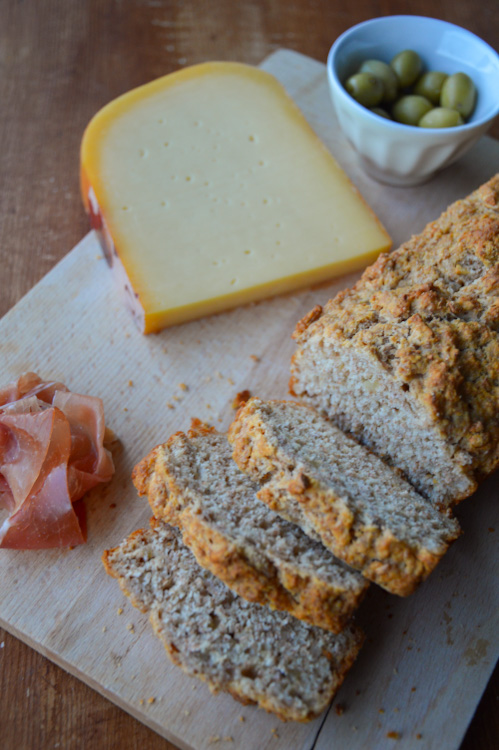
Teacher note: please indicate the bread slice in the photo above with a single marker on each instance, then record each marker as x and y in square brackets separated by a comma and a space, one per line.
[408, 359]
[192, 482]
[257, 655]
[363, 511]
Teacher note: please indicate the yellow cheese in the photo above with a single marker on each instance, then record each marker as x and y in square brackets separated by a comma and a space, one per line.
[212, 191]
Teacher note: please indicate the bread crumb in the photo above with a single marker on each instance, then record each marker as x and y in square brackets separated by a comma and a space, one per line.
[183, 387]
[381, 711]
[231, 382]
[169, 405]
[130, 383]
[241, 399]
[187, 712]
[254, 357]
[228, 739]
[419, 736]
[120, 610]
[151, 700]
[214, 738]
[141, 701]
[242, 718]
[274, 732]
[491, 529]
[207, 379]
[393, 735]
[130, 627]
[177, 398]
[413, 690]
[125, 408]
[340, 709]
[104, 628]
[218, 374]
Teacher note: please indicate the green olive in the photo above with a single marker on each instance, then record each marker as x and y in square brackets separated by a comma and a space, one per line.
[458, 92]
[365, 88]
[441, 117]
[407, 66]
[410, 109]
[381, 112]
[386, 74]
[430, 85]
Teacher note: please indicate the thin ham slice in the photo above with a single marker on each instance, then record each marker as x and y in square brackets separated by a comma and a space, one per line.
[30, 384]
[51, 453]
[90, 462]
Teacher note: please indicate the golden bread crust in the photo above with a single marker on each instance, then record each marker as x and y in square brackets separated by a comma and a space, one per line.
[429, 314]
[138, 565]
[375, 551]
[307, 598]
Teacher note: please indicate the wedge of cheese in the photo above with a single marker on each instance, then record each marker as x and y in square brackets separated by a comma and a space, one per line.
[211, 190]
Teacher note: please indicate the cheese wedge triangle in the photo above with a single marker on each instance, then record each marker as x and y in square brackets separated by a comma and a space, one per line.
[211, 191]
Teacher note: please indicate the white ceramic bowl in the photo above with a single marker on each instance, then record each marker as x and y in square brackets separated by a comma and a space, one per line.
[401, 154]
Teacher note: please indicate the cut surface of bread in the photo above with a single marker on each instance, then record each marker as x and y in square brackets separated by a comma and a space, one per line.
[362, 510]
[257, 655]
[192, 482]
[408, 359]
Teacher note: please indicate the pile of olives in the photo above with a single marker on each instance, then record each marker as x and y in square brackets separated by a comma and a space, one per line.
[403, 92]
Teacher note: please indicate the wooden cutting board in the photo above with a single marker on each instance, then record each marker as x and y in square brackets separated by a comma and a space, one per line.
[427, 659]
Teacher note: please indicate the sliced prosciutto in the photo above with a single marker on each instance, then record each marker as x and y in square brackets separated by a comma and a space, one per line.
[51, 453]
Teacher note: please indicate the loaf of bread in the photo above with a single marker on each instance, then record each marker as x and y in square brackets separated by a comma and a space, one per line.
[408, 359]
[192, 482]
[318, 477]
[257, 655]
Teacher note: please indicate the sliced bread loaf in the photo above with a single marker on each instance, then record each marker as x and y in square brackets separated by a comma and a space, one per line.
[454, 261]
[192, 482]
[408, 359]
[257, 655]
[363, 511]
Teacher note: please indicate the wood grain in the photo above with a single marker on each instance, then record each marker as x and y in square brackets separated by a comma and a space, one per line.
[59, 62]
[439, 641]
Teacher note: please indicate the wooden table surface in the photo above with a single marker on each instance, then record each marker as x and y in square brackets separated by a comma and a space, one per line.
[60, 61]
